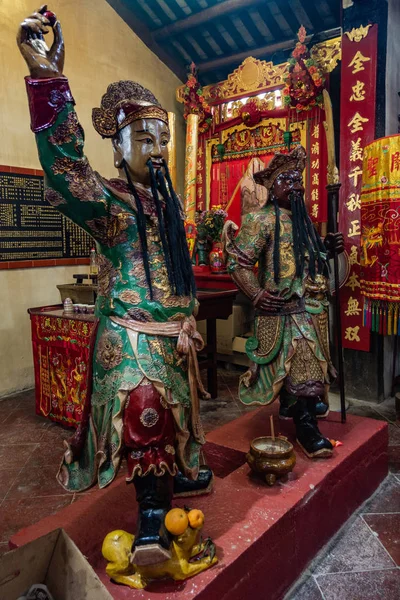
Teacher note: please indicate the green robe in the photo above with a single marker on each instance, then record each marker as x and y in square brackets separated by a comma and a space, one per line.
[292, 349]
[107, 211]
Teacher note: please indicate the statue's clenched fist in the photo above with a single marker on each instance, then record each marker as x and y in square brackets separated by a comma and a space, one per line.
[334, 243]
[42, 61]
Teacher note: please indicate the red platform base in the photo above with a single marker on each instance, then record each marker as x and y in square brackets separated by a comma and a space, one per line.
[265, 536]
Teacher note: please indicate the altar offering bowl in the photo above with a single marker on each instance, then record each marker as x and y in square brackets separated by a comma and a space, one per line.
[271, 457]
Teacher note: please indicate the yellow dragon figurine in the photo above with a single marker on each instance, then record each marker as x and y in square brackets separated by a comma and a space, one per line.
[189, 554]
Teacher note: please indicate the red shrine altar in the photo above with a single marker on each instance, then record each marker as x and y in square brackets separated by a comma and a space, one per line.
[237, 125]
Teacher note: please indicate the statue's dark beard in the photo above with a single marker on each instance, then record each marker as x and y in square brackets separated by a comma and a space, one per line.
[305, 238]
[172, 232]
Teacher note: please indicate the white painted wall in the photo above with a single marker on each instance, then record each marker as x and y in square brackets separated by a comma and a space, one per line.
[21, 289]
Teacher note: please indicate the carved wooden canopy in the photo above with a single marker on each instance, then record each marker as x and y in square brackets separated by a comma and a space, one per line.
[257, 76]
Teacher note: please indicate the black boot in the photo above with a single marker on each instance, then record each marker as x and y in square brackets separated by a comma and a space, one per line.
[152, 540]
[308, 435]
[321, 409]
[286, 405]
[286, 412]
[184, 487]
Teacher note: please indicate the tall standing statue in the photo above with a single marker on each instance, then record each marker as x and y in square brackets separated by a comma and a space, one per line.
[289, 351]
[145, 403]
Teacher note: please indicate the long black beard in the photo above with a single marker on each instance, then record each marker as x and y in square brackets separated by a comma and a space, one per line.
[305, 240]
[172, 233]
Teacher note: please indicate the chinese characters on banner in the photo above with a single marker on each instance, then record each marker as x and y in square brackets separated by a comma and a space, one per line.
[357, 128]
[316, 180]
[201, 176]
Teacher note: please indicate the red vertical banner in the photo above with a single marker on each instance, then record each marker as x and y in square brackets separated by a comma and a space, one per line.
[316, 192]
[357, 129]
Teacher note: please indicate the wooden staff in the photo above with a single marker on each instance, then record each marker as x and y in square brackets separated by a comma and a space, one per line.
[333, 188]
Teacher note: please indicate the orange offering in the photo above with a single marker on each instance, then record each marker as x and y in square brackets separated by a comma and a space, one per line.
[176, 521]
[196, 518]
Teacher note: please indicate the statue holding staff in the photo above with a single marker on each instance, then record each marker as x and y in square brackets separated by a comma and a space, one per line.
[289, 351]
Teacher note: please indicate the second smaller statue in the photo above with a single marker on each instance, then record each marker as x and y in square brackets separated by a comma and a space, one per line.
[289, 350]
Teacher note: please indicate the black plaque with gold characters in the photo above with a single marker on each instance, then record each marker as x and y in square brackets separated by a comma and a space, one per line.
[31, 229]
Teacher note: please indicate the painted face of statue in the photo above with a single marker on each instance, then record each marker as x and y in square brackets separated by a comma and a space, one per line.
[286, 183]
[137, 143]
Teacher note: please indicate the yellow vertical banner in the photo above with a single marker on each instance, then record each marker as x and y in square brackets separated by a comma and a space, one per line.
[189, 197]
[172, 147]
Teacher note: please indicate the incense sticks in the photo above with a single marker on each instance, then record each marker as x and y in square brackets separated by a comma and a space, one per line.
[271, 421]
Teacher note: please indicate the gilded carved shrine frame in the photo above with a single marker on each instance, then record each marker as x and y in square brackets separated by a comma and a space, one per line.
[243, 143]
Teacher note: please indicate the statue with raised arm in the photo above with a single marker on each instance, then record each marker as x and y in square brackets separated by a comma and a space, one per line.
[144, 405]
[289, 351]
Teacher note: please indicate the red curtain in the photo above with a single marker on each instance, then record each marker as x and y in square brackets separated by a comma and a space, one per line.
[226, 178]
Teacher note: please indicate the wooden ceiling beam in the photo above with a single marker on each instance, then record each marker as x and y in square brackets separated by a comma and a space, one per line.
[213, 12]
[239, 57]
[145, 35]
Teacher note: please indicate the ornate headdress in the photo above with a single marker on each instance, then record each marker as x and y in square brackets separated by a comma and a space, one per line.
[123, 103]
[280, 163]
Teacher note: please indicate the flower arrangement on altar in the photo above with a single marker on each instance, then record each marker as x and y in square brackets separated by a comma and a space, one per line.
[305, 81]
[194, 101]
[211, 222]
[209, 229]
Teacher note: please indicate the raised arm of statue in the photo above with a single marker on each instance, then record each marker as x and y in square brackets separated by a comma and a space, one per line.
[242, 253]
[71, 184]
[41, 61]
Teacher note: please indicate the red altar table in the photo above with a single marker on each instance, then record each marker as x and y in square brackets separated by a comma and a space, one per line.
[205, 280]
[61, 350]
[214, 304]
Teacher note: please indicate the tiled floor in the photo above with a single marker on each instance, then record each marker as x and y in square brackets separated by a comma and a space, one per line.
[361, 563]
